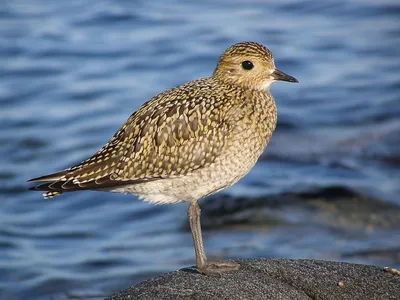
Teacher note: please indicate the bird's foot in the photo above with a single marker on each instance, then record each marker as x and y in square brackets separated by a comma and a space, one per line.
[391, 270]
[217, 268]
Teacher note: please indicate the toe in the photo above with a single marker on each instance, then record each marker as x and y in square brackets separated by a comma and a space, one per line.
[217, 268]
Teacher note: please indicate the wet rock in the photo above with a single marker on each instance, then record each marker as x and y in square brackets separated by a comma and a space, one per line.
[388, 255]
[335, 206]
[273, 279]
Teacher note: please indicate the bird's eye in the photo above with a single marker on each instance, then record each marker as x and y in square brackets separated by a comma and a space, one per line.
[247, 65]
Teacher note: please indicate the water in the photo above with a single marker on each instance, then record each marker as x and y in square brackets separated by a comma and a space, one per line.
[72, 72]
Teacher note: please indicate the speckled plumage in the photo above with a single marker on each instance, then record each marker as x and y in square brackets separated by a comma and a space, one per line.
[175, 134]
[211, 146]
[187, 142]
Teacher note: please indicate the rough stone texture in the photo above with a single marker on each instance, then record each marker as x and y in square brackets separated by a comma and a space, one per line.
[273, 279]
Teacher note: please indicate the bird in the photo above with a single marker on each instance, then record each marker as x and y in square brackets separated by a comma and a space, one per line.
[187, 142]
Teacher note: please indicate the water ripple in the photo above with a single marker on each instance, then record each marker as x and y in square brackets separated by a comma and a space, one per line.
[74, 71]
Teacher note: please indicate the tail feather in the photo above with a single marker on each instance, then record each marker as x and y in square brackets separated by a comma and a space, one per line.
[53, 188]
[50, 177]
[57, 187]
[45, 187]
[49, 195]
[52, 191]
[69, 181]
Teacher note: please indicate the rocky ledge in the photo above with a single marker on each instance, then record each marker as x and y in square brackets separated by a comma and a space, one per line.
[283, 279]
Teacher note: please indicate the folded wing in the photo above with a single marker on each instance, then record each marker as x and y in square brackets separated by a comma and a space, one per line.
[171, 135]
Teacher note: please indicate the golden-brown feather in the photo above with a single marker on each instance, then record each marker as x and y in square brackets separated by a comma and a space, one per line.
[185, 129]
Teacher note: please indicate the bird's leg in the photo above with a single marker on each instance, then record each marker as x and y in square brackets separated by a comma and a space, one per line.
[194, 221]
[201, 259]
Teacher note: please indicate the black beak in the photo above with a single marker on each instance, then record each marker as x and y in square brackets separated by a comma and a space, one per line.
[279, 75]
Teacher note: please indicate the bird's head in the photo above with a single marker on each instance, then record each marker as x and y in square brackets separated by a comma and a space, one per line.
[250, 65]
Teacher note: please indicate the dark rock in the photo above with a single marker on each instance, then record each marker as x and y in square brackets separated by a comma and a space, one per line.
[283, 279]
[388, 255]
[333, 206]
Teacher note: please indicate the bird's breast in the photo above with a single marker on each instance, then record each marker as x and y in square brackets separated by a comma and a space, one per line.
[254, 121]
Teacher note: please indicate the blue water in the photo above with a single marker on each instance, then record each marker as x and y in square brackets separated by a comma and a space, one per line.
[73, 71]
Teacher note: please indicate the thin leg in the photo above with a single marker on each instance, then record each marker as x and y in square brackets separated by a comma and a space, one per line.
[194, 221]
[201, 259]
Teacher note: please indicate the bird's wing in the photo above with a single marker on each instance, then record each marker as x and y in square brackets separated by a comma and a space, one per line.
[173, 134]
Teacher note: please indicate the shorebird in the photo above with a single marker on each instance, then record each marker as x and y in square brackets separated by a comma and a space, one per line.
[188, 142]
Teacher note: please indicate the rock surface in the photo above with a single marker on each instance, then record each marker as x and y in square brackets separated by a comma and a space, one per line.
[273, 279]
[333, 206]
